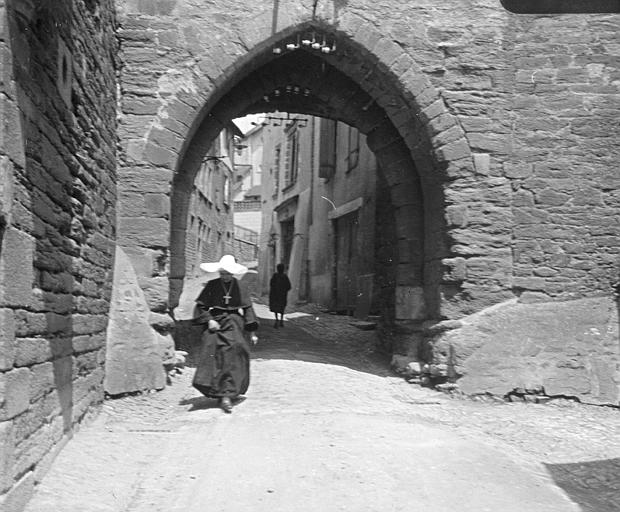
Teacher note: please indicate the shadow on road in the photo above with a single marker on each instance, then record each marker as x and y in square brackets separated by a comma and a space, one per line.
[327, 341]
[339, 345]
[593, 485]
[200, 403]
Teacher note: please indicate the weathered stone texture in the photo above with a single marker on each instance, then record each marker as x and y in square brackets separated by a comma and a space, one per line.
[566, 105]
[58, 156]
[564, 348]
[499, 131]
[133, 360]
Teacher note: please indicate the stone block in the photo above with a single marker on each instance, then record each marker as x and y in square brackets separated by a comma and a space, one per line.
[32, 449]
[86, 343]
[160, 322]
[29, 351]
[140, 105]
[454, 151]
[144, 261]
[145, 179]
[11, 135]
[159, 156]
[410, 303]
[16, 385]
[165, 138]
[530, 283]
[131, 204]
[550, 197]
[156, 292]
[455, 270]
[6, 188]
[7, 445]
[42, 380]
[490, 143]
[89, 324]
[568, 382]
[133, 359]
[19, 496]
[457, 215]
[533, 297]
[16, 261]
[146, 232]
[482, 163]
[483, 269]
[157, 205]
[7, 338]
[404, 365]
[451, 132]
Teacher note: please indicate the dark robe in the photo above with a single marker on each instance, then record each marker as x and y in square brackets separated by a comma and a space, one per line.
[223, 367]
[278, 290]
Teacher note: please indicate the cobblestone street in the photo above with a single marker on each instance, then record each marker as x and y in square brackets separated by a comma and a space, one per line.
[327, 426]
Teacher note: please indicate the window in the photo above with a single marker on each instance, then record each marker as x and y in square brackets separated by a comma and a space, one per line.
[353, 152]
[226, 190]
[287, 230]
[276, 167]
[292, 159]
[327, 148]
[209, 182]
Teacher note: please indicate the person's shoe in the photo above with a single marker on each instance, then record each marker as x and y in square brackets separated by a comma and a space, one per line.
[281, 323]
[226, 404]
[275, 325]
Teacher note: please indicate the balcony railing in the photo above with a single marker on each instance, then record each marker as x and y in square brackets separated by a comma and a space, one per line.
[247, 235]
[248, 206]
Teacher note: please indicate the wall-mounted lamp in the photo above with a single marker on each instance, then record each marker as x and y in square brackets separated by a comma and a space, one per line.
[302, 122]
[319, 44]
[287, 90]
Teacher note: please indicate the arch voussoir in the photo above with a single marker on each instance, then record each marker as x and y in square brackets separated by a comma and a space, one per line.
[452, 133]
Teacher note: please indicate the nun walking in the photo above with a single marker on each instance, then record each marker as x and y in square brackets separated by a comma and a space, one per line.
[225, 310]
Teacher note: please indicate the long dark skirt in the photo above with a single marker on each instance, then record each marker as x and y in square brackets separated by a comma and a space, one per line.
[224, 362]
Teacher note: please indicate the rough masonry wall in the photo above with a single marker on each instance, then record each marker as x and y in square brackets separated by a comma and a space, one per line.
[566, 180]
[57, 150]
[511, 122]
[540, 110]
[489, 130]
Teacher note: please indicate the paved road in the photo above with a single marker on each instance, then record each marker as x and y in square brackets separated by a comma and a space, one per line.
[326, 427]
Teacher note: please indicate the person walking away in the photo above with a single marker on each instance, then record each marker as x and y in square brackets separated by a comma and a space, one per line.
[279, 285]
[225, 310]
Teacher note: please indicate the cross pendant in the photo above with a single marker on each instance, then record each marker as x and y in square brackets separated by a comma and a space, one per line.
[227, 299]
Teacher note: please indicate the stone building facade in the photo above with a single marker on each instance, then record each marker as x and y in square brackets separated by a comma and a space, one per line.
[210, 229]
[247, 192]
[496, 135]
[319, 212]
[497, 139]
[58, 139]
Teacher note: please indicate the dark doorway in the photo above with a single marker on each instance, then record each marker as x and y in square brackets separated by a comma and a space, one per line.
[288, 233]
[345, 231]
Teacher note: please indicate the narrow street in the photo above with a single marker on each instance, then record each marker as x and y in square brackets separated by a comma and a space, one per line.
[326, 426]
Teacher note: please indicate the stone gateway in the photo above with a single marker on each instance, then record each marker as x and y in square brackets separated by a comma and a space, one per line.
[497, 139]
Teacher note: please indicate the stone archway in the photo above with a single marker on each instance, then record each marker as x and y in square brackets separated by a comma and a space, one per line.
[423, 150]
[418, 144]
[330, 93]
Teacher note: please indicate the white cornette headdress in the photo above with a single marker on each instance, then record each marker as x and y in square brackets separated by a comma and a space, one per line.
[226, 263]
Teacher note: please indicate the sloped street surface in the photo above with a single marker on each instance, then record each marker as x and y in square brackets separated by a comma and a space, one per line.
[327, 427]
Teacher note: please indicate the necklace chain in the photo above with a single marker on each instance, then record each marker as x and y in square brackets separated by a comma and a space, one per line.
[227, 295]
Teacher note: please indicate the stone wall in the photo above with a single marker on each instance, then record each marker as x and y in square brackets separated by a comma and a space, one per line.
[58, 196]
[496, 133]
[563, 171]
